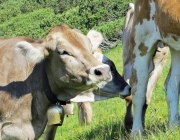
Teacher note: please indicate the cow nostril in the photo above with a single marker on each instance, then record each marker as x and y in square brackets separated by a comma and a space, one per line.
[97, 72]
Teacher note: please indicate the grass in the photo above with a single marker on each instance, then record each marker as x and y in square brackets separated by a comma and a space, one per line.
[108, 115]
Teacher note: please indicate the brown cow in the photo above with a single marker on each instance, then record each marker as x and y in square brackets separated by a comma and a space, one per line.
[115, 88]
[38, 74]
[154, 21]
[155, 68]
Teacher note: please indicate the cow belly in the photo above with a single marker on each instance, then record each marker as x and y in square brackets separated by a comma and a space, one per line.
[16, 132]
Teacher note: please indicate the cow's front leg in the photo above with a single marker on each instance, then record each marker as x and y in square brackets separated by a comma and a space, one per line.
[128, 120]
[84, 113]
[172, 89]
[139, 79]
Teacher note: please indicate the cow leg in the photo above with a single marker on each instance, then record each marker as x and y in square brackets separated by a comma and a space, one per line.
[172, 89]
[50, 132]
[139, 80]
[128, 121]
[84, 113]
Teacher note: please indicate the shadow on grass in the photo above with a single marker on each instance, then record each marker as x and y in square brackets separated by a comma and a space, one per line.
[113, 131]
[117, 131]
[156, 128]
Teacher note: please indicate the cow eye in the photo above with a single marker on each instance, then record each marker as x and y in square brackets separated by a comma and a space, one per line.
[63, 52]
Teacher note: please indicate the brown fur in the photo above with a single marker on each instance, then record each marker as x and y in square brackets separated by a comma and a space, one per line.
[143, 49]
[72, 36]
[141, 13]
[24, 104]
[168, 18]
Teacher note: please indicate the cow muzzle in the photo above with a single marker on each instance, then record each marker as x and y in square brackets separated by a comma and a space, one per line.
[126, 92]
[99, 75]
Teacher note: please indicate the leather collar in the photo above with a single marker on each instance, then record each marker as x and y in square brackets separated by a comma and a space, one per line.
[47, 89]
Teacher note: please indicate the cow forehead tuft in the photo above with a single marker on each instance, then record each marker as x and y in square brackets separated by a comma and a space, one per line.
[68, 38]
[60, 28]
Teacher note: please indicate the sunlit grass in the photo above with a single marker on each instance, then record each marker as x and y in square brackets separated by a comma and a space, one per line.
[108, 115]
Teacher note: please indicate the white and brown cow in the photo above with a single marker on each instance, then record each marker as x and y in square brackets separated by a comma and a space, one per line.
[36, 74]
[154, 21]
[155, 67]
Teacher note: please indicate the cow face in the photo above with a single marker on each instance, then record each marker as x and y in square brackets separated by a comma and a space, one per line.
[69, 63]
[115, 88]
[118, 86]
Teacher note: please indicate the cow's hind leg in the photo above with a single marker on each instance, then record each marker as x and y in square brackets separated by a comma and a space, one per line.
[172, 89]
[128, 120]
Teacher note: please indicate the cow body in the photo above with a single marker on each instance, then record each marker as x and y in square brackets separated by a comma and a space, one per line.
[62, 64]
[155, 21]
[155, 67]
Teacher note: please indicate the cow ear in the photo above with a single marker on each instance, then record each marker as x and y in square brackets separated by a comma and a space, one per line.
[131, 5]
[95, 38]
[31, 53]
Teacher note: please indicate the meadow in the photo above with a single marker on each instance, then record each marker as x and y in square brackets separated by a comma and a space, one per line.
[108, 115]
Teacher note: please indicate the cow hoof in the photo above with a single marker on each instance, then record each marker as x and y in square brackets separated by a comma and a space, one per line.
[138, 134]
[174, 125]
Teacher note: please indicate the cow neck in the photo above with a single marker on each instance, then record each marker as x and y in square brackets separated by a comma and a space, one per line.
[47, 89]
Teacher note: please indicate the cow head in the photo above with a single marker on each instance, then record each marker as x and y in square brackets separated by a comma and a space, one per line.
[69, 62]
[115, 88]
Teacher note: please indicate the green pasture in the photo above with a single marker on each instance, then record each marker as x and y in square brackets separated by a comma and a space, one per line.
[108, 115]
